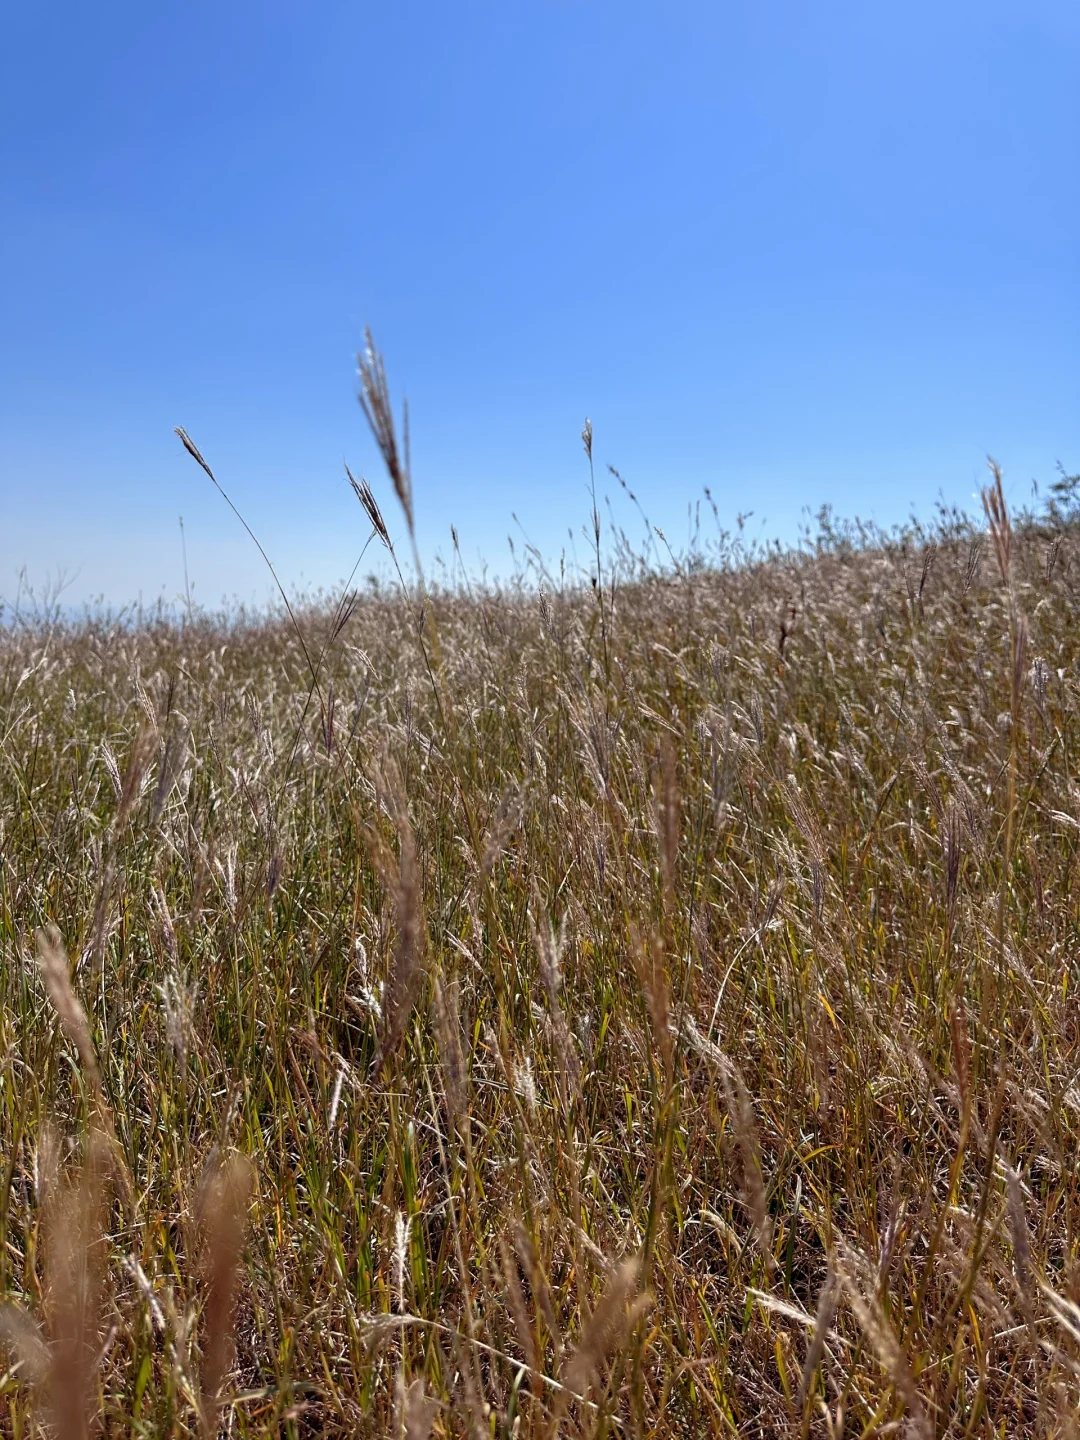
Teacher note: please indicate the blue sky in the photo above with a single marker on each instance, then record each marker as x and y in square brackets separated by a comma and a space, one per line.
[797, 253]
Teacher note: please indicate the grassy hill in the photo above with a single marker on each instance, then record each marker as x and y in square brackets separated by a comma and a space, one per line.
[645, 1009]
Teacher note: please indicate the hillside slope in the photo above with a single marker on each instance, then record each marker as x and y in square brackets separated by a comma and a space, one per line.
[618, 996]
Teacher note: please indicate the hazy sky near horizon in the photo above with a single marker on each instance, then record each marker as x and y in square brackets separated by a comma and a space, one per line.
[799, 254]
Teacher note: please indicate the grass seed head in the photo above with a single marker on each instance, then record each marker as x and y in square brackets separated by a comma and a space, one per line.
[225, 1195]
[56, 976]
[604, 1330]
[375, 403]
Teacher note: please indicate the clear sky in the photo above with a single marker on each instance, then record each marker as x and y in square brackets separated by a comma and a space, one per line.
[799, 253]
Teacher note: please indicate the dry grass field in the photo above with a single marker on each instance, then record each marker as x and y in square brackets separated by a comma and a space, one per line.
[637, 1009]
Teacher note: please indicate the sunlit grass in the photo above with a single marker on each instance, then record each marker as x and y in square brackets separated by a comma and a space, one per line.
[645, 1009]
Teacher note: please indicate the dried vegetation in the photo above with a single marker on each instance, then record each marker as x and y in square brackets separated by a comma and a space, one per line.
[644, 1008]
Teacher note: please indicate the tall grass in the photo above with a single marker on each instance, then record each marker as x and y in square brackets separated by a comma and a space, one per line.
[644, 1008]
